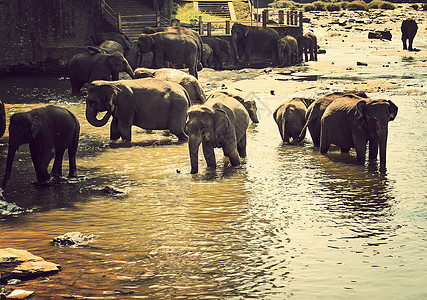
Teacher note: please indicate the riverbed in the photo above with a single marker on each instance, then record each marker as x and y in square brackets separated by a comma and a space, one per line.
[288, 223]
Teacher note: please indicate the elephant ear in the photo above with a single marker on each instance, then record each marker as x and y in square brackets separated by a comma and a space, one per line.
[115, 61]
[36, 127]
[392, 109]
[360, 109]
[221, 126]
[145, 42]
[110, 93]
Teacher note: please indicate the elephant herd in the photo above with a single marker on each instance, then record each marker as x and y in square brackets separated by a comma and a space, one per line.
[169, 99]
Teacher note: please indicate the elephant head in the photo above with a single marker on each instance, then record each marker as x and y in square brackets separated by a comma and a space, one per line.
[144, 73]
[101, 97]
[238, 33]
[23, 129]
[209, 127]
[375, 115]
[145, 43]
[250, 106]
[2, 119]
[118, 63]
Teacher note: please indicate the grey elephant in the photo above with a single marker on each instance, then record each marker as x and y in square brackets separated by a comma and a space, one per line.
[409, 29]
[188, 82]
[2, 119]
[290, 118]
[207, 56]
[123, 40]
[173, 47]
[353, 121]
[254, 38]
[287, 48]
[111, 42]
[147, 103]
[50, 131]
[220, 123]
[220, 48]
[307, 44]
[96, 65]
[248, 104]
[315, 111]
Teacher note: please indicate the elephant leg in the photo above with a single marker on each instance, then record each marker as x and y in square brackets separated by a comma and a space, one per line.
[179, 133]
[125, 129]
[115, 76]
[72, 152]
[410, 44]
[76, 85]
[41, 162]
[234, 158]
[114, 130]
[360, 146]
[345, 150]
[241, 146]
[209, 154]
[57, 164]
[324, 140]
[373, 149]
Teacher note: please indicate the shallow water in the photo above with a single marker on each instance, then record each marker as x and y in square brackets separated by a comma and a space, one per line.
[288, 222]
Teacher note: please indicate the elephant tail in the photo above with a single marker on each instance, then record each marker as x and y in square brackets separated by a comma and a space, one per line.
[308, 120]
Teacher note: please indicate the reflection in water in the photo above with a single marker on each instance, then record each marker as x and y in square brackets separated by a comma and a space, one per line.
[288, 222]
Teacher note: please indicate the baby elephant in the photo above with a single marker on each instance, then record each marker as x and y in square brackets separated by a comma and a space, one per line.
[290, 118]
[50, 131]
[220, 123]
[409, 29]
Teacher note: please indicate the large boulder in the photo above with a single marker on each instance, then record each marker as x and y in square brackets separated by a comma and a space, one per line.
[21, 264]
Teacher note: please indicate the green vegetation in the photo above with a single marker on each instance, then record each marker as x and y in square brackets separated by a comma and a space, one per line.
[284, 4]
[379, 4]
[187, 12]
[357, 5]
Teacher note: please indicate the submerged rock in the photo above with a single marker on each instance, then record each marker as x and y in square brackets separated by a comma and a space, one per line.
[10, 209]
[21, 264]
[75, 239]
[20, 294]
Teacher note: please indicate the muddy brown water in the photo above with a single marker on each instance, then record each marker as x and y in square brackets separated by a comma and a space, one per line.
[288, 223]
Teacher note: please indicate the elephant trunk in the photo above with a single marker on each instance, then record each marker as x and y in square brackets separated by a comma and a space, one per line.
[193, 146]
[234, 46]
[93, 120]
[9, 162]
[128, 69]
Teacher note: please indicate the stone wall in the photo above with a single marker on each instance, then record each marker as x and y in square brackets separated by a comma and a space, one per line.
[41, 35]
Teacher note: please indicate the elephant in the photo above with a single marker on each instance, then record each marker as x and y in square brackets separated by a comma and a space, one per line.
[220, 123]
[148, 103]
[307, 44]
[315, 111]
[249, 105]
[254, 38]
[287, 47]
[409, 30]
[174, 47]
[50, 131]
[110, 47]
[352, 121]
[219, 46]
[188, 82]
[207, 56]
[290, 118]
[89, 66]
[2, 119]
[123, 40]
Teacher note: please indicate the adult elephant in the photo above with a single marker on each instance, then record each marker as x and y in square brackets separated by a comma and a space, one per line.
[220, 47]
[220, 123]
[173, 47]
[96, 65]
[2, 119]
[315, 111]
[147, 103]
[290, 118]
[409, 29]
[248, 104]
[254, 38]
[50, 131]
[188, 82]
[287, 48]
[307, 44]
[353, 121]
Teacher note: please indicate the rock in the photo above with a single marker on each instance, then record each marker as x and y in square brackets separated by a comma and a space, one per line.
[359, 63]
[20, 294]
[21, 264]
[10, 209]
[386, 35]
[75, 239]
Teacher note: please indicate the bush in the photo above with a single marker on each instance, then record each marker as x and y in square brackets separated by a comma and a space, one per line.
[376, 4]
[333, 7]
[357, 5]
[319, 5]
[309, 7]
[283, 4]
[242, 10]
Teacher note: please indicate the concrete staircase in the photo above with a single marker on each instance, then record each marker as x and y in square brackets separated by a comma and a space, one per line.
[215, 8]
[135, 14]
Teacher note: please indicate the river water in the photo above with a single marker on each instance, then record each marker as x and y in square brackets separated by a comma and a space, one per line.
[288, 223]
